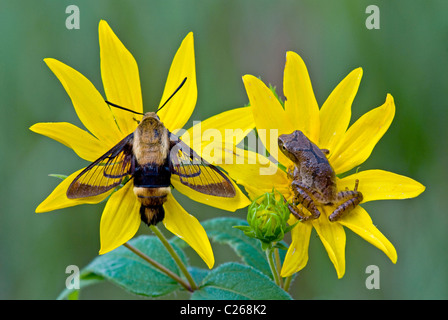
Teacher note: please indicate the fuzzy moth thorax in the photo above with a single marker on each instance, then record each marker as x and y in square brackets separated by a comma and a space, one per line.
[151, 141]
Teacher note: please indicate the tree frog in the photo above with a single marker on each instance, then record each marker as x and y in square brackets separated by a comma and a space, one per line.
[314, 180]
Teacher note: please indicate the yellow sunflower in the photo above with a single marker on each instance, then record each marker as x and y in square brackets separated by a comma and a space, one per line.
[121, 219]
[327, 127]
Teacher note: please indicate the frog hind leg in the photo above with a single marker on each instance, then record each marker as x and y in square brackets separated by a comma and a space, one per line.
[348, 200]
[303, 196]
[299, 214]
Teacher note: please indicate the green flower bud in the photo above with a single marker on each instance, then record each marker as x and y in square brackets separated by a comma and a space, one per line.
[267, 217]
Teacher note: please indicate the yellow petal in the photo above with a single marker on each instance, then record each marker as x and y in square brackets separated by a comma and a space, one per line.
[188, 228]
[120, 219]
[336, 111]
[333, 238]
[257, 174]
[229, 204]
[83, 143]
[179, 109]
[268, 115]
[232, 126]
[300, 105]
[382, 185]
[360, 139]
[58, 198]
[297, 255]
[121, 79]
[88, 102]
[360, 223]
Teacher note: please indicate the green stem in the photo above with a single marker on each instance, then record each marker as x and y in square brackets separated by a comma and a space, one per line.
[278, 266]
[270, 259]
[175, 256]
[159, 266]
[287, 283]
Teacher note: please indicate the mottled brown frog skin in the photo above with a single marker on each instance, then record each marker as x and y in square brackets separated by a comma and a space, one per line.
[314, 180]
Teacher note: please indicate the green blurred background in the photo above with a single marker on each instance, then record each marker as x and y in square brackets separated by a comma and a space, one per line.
[407, 57]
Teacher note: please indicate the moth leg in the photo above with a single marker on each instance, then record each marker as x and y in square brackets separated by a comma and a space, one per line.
[138, 121]
[305, 196]
[348, 200]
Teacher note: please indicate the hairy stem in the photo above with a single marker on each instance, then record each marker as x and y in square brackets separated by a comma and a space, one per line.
[160, 267]
[278, 266]
[287, 283]
[270, 258]
[175, 256]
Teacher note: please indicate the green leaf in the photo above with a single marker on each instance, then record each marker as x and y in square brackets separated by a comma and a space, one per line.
[229, 231]
[198, 274]
[221, 230]
[125, 269]
[234, 281]
[59, 176]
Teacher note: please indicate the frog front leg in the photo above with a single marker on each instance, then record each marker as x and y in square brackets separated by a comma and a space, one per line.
[304, 196]
[347, 201]
[292, 172]
[325, 151]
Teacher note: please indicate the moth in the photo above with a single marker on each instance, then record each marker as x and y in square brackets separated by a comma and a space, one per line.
[149, 156]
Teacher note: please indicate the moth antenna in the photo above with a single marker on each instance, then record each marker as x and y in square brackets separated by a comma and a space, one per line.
[175, 91]
[126, 109]
[122, 108]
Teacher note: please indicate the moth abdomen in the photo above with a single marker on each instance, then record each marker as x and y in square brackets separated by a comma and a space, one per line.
[151, 215]
[152, 200]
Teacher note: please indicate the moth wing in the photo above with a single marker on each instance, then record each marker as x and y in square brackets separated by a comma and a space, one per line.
[106, 172]
[196, 173]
